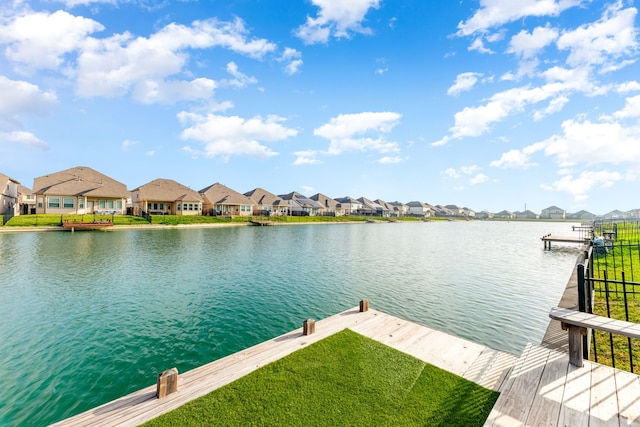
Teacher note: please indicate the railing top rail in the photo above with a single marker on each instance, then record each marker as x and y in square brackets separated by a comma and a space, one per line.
[586, 320]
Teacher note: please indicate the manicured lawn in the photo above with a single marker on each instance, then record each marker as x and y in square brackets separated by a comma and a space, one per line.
[346, 379]
[47, 220]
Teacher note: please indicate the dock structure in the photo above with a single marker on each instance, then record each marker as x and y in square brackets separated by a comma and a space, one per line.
[549, 238]
[261, 222]
[539, 388]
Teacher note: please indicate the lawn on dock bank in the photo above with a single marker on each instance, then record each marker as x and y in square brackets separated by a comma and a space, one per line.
[345, 379]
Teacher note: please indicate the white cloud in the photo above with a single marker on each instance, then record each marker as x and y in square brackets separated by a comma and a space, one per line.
[23, 138]
[519, 158]
[225, 136]
[389, 160]
[555, 106]
[580, 186]
[73, 3]
[117, 65]
[293, 61]
[479, 179]
[494, 13]
[604, 41]
[464, 82]
[239, 80]
[478, 45]
[40, 40]
[23, 98]
[335, 18]
[527, 45]
[631, 86]
[127, 143]
[631, 108]
[306, 157]
[451, 173]
[348, 132]
[594, 143]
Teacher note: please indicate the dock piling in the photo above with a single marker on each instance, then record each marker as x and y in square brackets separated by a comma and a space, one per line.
[308, 327]
[364, 305]
[167, 383]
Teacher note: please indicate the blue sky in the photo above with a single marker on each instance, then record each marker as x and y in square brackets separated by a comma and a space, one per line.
[490, 104]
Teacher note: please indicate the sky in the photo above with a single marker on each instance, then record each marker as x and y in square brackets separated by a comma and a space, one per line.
[486, 104]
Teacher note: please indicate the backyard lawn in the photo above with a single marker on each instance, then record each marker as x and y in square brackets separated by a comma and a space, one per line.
[345, 379]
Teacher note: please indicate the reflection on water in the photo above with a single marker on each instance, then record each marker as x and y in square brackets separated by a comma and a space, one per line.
[90, 316]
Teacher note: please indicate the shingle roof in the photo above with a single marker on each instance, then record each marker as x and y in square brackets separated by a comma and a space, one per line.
[219, 194]
[325, 201]
[167, 190]
[262, 197]
[80, 181]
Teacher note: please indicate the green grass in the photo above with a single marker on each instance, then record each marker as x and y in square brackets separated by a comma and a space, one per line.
[624, 259]
[47, 220]
[195, 219]
[345, 379]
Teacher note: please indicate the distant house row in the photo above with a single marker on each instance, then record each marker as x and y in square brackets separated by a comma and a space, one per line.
[82, 190]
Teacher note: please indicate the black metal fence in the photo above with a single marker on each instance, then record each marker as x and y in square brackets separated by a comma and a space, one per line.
[609, 285]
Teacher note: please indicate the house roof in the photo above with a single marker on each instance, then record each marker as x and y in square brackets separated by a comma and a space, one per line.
[167, 190]
[262, 197]
[347, 199]
[417, 204]
[384, 204]
[219, 194]
[370, 204]
[5, 178]
[80, 181]
[553, 208]
[326, 201]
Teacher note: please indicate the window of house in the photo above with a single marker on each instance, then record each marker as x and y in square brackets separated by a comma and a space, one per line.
[149, 206]
[110, 204]
[68, 203]
[118, 204]
[81, 203]
[53, 202]
[161, 206]
[31, 197]
[179, 207]
[40, 202]
[102, 204]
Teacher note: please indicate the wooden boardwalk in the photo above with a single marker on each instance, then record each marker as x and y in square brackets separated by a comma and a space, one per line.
[543, 389]
[473, 361]
[540, 388]
[549, 238]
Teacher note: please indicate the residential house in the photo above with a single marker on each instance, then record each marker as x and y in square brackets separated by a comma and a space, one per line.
[632, 214]
[301, 204]
[166, 197]
[420, 209]
[372, 208]
[484, 215]
[399, 208]
[330, 207]
[9, 206]
[526, 215]
[615, 214]
[442, 211]
[26, 200]
[222, 200]
[553, 212]
[582, 215]
[350, 205]
[387, 207]
[504, 215]
[266, 203]
[469, 213]
[455, 210]
[79, 190]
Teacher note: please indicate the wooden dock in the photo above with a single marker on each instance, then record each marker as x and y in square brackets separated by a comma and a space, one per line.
[549, 238]
[540, 388]
[473, 361]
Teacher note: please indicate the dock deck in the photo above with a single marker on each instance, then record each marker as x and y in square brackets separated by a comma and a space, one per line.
[540, 388]
[549, 238]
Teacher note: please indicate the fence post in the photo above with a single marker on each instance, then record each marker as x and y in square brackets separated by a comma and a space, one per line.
[308, 327]
[583, 301]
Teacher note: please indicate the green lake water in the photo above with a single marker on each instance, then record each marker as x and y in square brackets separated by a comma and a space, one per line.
[88, 317]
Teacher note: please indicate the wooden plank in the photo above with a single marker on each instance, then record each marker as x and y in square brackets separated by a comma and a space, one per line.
[604, 400]
[546, 405]
[592, 321]
[577, 397]
[628, 389]
[491, 369]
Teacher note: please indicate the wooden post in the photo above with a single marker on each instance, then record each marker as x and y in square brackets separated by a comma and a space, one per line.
[167, 383]
[364, 305]
[308, 327]
[576, 336]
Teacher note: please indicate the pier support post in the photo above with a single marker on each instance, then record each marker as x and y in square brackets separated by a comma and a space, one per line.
[576, 335]
[364, 305]
[167, 383]
[308, 327]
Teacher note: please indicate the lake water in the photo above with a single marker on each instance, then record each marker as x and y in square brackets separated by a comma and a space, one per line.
[88, 317]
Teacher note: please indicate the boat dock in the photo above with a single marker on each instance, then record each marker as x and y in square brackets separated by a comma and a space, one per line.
[539, 388]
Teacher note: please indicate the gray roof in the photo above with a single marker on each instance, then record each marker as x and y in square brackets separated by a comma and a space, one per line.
[326, 201]
[80, 181]
[167, 190]
[262, 197]
[219, 194]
